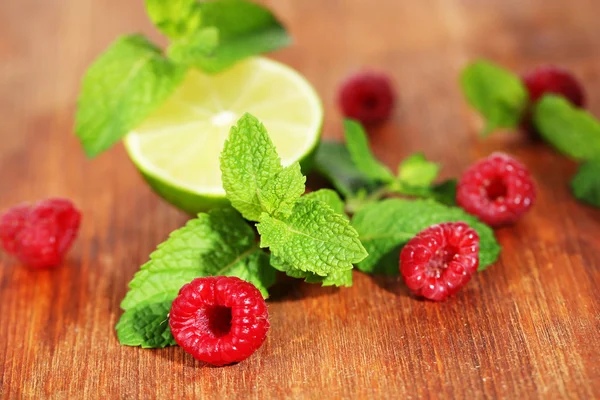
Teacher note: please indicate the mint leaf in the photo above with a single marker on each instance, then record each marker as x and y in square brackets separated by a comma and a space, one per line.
[328, 197]
[415, 170]
[445, 192]
[498, 94]
[121, 88]
[175, 18]
[360, 153]
[205, 246]
[332, 161]
[245, 29]
[384, 227]
[189, 49]
[337, 278]
[415, 179]
[313, 238]
[217, 243]
[282, 190]
[570, 130]
[252, 175]
[586, 184]
[147, 325]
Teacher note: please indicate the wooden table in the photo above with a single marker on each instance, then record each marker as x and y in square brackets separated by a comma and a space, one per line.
[527, 327]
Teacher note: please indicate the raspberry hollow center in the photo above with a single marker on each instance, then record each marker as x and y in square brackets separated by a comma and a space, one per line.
[215, 320]
[370, 102]
[439, 262]
[496, 189]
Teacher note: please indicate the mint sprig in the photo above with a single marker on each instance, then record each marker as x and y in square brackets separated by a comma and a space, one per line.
[134, 77]
[362, 179]
[305, 233]
[309, 237]
[252, 174]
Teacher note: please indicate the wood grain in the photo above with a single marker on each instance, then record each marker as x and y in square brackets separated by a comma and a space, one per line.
[526, 328]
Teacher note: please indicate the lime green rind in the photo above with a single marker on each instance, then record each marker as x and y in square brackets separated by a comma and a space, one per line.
[190, 202]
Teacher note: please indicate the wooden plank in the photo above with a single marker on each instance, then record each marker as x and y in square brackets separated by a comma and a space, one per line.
[527, 327]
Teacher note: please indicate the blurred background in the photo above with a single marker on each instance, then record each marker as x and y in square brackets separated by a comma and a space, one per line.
[45, 46]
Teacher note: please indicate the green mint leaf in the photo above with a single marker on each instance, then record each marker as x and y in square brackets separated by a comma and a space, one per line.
[360, 153]
[445, 192]
[313, 238]
[121, 88]
[498, 94]
[175, 18]
[147, 325]
[327, 196]
[189, 49]
[384, 227]
[252, 175]
[333, 161]
[337, 278]
[214, 244]
[417, 171]
[282, 190]
[586, 184]
[570, 130]
[245, 29]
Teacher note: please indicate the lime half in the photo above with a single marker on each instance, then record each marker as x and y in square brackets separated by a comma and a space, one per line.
[177, 148]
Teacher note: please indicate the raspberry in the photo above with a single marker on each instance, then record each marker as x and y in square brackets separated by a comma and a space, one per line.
[440, 260]
[219, 320]
[550, 79]
[367, 97]
[41, 234]
[497, 189]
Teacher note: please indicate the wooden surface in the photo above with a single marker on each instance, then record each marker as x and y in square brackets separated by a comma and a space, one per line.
[527, 327]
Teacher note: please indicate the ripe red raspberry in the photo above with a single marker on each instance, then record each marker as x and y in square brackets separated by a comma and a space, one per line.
[40, 235]
[440, 260]
[367, 97]
[219, 320]
[497, 189]
[550, 79]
